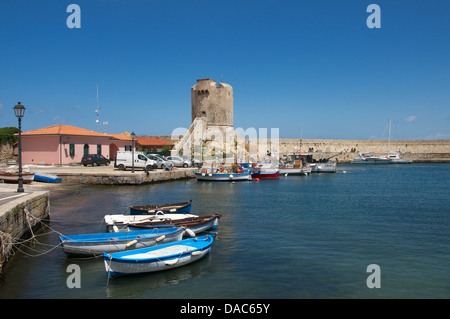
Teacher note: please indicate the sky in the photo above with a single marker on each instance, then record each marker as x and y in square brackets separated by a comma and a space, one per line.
[312, 68]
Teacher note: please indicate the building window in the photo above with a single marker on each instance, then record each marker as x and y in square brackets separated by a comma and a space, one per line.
[72, 150]
[99, 149]
[203, 114]
[86, 149]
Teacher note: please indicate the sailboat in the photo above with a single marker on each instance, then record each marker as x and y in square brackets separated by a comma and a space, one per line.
[390, 158]
[394, 157]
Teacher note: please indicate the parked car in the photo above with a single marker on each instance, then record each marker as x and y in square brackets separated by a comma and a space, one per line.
[94, 160]
[124, 160]
[179, 161]
[160, 161]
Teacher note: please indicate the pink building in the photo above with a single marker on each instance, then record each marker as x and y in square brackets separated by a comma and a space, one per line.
[65, 144]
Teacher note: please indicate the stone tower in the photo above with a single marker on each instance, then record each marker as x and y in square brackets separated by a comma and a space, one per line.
[215, 102]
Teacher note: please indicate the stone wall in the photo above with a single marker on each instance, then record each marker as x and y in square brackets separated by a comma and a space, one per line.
[126, 178]
[348, 149]
[7, 152]
[17, 217]
[213, 102]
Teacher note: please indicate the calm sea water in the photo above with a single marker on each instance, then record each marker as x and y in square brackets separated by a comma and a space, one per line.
[296, 237]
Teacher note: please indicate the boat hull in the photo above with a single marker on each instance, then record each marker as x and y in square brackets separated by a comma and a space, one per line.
[183, 208]
[323, 167]
[197, 224]
[295, 171]
[96, 244]
[229, 177]
[162, 257]
[266, 174]
[47, 178]
[14, 178]
[377, 161]
[122, 221]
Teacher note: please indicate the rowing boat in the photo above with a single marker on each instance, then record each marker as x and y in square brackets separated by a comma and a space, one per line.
[161, 257]
[96, 244]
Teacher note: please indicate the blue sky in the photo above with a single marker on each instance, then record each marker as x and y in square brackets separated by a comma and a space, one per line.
[307, 67]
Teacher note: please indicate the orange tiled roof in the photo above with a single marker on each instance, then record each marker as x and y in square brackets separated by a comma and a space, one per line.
[152, 141]
[121, 137]
[62, 129]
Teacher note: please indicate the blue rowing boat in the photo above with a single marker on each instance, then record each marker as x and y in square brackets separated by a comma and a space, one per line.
[47, 178]
[161, 257]
[96, 244]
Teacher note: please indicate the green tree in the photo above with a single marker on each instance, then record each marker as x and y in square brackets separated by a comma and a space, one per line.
[7, 134]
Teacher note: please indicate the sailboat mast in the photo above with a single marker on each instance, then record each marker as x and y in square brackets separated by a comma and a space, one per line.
[389, 138]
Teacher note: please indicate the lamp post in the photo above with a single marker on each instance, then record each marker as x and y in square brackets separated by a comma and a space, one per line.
[19, 111]
[133, 136]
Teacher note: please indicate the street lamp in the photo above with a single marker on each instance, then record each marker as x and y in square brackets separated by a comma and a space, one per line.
[19, 111]
[133, 136]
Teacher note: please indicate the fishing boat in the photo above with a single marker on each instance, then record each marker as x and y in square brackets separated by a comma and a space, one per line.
[96, 244]
[323, 166]
[223, 177]
[13, 177]
[267, 169]
[184, 207]
[161, 257]
[291, 170]
[195, 224]
[119, 222]
[47, 178]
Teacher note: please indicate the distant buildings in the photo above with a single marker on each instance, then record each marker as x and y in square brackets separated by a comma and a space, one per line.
[65, 144]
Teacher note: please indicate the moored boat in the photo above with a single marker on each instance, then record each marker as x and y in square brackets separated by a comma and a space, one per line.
[265, 173]
[205, 175]
[47, 178]
[184, 207]
[267, 169]
[305, 170]
[395, 158]
[157, 258]
[119, 221]
[369, 158]
[8, 177]
[96, 244]
[195, 224]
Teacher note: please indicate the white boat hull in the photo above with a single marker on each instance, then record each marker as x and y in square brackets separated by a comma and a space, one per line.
[323, 167]
[295, 171]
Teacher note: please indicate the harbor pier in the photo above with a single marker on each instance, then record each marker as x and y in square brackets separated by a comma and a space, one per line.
[20, 215]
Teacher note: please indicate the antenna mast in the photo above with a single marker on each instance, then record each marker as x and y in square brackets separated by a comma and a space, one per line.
[98, 110]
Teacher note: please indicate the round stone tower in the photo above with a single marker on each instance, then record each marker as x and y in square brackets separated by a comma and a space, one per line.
[215, 102]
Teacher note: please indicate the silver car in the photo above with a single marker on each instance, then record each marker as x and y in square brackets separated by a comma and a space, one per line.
[161, 162]
[178, 161]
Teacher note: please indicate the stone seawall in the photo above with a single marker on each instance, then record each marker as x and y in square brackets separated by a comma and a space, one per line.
[125, 178]
[345, 150]
[18, 217]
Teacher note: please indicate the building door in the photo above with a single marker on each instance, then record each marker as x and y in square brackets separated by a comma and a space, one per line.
[86, 149]
[113, 151]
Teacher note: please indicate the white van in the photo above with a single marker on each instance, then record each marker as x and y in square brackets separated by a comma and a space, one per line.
[124, 160]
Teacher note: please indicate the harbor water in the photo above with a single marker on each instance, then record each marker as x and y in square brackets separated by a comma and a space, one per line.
[297, 237]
